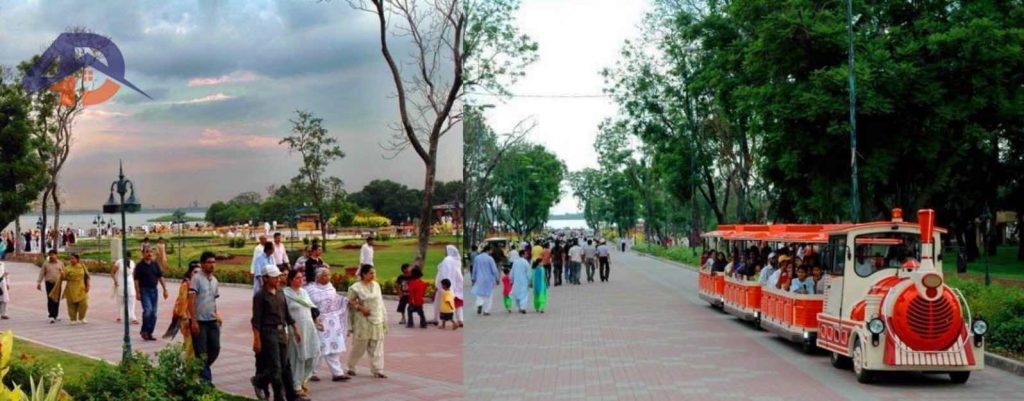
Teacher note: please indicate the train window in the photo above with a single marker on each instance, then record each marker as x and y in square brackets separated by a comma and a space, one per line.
[833, 258]
[879, 251]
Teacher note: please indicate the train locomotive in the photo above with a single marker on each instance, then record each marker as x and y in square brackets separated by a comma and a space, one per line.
[885, 304]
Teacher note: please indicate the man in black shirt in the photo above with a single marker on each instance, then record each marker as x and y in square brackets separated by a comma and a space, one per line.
[270, 342]
[313, 262]
[558, 259]
[147, 275]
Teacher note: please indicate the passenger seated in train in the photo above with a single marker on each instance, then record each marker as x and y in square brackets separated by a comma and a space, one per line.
[802, 283]
[752, 271]
[780, 279]
[768, 270]
[738, 266]
[862, 266]
[817, 273]
[720, 263]
[704, 259]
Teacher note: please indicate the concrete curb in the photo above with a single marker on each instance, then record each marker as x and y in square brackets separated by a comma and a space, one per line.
[991, 360]
[1004, 363]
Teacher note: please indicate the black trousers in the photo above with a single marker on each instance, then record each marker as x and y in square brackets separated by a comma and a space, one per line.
[558, 274]
[415, 309]
[272, 366]
[604, 267]
[207, 346]
[547, 274]
[52, 308]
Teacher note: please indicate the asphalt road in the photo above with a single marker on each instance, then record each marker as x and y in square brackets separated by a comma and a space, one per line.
[645, 335]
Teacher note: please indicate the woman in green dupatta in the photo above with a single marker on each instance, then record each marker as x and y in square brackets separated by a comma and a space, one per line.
[302, 355]
[540, 287]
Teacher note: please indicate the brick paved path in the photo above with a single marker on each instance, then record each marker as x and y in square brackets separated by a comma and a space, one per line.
[422, 364]
[646, 336]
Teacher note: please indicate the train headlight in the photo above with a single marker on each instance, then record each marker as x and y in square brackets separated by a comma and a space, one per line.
[979, 327]
[876, 326]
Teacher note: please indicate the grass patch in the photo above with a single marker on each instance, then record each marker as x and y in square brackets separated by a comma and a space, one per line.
[77, 369]
[1003, 264]
[687, 255]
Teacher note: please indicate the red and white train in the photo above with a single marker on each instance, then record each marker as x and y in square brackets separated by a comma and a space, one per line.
[885, 306]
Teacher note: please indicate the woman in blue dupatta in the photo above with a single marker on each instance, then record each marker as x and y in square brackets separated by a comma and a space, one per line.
[520, 278]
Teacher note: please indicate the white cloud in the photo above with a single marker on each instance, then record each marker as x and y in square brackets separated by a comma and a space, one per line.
[234, 77]
[211, 137]
[216, 97]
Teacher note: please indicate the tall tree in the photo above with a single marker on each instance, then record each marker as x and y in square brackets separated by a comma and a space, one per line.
[22, 172]
[318, 149]
[484, 149]
[447, 61]
[527, 184]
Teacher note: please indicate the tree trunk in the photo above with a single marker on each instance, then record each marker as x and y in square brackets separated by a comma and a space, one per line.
[971, 242]
[18, 246]
[56, 215]
[1020, 235]
[42, 229]
[992, 236]
[428, 203]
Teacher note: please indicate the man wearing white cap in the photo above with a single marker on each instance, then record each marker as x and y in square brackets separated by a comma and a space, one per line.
[269, 318]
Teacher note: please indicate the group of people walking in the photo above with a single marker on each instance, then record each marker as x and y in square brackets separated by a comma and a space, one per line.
[298, 316]
[529, 270]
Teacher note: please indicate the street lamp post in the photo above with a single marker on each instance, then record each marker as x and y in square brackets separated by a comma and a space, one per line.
[98, 223]
[122, 186]
[854, 192]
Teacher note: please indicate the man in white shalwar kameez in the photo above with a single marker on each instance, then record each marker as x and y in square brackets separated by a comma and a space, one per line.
[485, 278]
[450, 268]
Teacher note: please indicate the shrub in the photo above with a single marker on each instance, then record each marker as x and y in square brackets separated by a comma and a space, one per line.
[173, 378]
[1008, 336]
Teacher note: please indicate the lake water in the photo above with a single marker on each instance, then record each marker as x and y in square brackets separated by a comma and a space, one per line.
[84, 220]
[570, 224]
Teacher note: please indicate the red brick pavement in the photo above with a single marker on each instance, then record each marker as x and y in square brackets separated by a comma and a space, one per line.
[646, 336]
[422, 364]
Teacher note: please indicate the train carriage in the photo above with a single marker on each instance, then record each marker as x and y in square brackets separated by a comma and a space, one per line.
[885, 306]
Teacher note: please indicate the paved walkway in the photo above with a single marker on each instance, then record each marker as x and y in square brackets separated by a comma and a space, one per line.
[422, 364]
[646, 336]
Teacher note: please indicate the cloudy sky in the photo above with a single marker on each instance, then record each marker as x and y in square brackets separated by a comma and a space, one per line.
[572, 53]
[225, 77]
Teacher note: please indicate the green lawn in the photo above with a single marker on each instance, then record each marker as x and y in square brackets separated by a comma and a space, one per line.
[1003, 264]
[690, 256]
[388, 255]
[75, 366]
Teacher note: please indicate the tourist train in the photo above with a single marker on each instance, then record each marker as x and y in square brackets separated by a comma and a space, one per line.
[884, 307]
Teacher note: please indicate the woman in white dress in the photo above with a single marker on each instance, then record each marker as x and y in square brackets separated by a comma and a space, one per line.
[450, 268]
[117, 292]
[302, 355]
[332, 322]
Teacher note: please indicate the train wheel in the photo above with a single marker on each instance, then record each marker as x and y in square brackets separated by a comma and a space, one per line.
[863, 375]
[959, 377]
[808, 347]
[839, 361]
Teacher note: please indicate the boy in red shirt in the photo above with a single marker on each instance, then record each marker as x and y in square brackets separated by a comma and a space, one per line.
[506, 284]
[417, 289]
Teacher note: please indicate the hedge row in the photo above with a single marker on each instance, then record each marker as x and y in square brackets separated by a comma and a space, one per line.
[1002, 307]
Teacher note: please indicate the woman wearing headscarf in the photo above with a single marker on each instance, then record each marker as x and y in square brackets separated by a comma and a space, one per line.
[301, 355]
[368, 322]
[450, 268]
[520, 277]
[332, 322]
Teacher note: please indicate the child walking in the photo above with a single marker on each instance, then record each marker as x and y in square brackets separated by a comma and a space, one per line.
[417, 288]
[506, 285]
[447, 304]
[402, 281]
